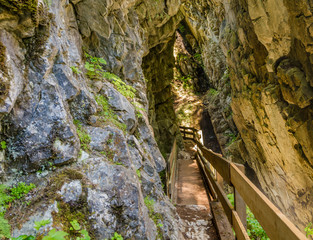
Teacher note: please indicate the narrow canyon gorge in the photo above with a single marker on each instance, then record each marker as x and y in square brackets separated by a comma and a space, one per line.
[93, 92]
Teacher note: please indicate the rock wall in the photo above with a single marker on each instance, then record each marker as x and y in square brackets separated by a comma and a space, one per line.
[204, 24]
[87, 146]
[267, 47]
[158, 69]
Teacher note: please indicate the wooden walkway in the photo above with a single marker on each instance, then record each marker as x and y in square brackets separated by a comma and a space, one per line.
[192, 201]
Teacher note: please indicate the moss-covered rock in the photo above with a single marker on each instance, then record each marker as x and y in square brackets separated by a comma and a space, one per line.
[21, 7]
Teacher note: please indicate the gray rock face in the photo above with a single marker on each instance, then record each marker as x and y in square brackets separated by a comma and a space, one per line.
[71, 192]
[122, 106]
[44, 89]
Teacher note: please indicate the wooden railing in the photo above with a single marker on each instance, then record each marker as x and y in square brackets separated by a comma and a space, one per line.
[171, 169]
[274, 222]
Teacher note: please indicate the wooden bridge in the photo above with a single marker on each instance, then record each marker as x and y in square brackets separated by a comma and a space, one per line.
[217, 170]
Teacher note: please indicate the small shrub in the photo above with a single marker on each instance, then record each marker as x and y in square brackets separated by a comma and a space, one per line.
[8, 195]
[21, 190]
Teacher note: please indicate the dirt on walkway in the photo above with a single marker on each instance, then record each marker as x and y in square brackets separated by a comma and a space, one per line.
[192, 201]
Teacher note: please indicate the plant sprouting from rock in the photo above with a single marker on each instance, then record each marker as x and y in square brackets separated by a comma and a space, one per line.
[84, 137]
[107, 114]
[94, 67]
[3, 145]
[309, 230]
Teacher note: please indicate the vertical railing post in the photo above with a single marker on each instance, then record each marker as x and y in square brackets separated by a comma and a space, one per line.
[240, 205]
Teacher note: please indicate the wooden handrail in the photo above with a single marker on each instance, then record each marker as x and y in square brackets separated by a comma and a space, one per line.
[274, 222]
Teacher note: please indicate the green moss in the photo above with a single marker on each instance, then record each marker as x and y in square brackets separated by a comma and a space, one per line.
[21, 7]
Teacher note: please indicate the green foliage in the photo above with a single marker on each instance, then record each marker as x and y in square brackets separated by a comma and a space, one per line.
[149, 202]
[41, 223]
[75, 225]
[233, 138]
[55, 235]
[198, 58]
[5, 198]
[84, 137]
[3, 145]
[187, 82]
[231, 199]
[75, 70]
[117, 237]
[24, 237]
[309, 230]
[138, 109]
[254, 228]
[8, 195]
[94, 67]
[21, 190]
[107, 114]
[138, 173]
[5, 228]
[212, 92]
[182, 28]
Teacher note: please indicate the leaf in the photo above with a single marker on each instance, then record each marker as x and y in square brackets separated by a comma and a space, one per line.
[41, 223]
[101, 60]
[85, 235]
[24, 237]
[55, 235]
[3, 145]
[75, 225]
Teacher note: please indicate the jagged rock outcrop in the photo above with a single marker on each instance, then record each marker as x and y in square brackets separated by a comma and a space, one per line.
[82, 140]
[267, 48]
